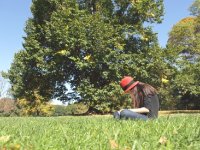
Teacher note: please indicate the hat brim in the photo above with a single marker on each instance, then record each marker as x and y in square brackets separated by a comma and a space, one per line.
[130, 87]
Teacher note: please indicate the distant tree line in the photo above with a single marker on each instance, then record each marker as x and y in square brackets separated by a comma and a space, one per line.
[10, 108]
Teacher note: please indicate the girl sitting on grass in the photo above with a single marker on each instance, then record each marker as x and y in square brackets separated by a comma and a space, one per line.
[144, 97]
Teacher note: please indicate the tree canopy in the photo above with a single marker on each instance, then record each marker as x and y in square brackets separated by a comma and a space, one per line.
[90, 45]
[183, 44]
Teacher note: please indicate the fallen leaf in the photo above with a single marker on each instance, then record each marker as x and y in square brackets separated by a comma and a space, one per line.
[113, 144]
[163, 140]
[4, 138]
[127, 148]
[16, 147]
[175, 132]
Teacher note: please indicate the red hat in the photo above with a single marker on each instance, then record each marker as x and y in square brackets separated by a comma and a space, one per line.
[128, 83]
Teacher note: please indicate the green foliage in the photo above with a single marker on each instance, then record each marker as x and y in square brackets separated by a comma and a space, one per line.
[167, 100]
[181, 36]
[105, 100]
[100, 132]
[183, 46]
[59, 110]
[187, 86]
[34, 106]
[195, 8]
[76, 109]
[72, 109]
[91, 45]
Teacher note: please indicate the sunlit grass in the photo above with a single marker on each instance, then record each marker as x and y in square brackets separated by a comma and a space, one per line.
[100, 133]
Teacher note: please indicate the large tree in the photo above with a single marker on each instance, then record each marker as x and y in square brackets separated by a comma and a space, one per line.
[183, 44]
[90, 45]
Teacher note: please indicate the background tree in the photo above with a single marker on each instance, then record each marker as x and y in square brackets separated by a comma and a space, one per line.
[183, 44]
[91, 45]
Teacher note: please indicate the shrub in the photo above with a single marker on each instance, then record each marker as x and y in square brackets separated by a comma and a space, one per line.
[76, 109]
[72, 109]
[59, 110]
[8, 107]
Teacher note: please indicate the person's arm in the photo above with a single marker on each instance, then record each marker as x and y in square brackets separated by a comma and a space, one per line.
[140, 110]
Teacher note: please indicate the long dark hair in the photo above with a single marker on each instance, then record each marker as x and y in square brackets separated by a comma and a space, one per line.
[140, 91]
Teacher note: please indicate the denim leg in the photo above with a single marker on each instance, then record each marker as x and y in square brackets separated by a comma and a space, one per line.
[128, 114]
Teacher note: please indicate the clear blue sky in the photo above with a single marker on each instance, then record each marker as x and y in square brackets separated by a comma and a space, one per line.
[14, 14]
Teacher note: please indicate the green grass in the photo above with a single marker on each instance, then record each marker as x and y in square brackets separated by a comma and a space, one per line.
[100, 133]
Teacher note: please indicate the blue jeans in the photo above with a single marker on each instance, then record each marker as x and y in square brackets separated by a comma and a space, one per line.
[128, 114]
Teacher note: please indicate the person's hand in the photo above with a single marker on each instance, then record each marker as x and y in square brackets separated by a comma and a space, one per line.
[120, 110]
[116, 115]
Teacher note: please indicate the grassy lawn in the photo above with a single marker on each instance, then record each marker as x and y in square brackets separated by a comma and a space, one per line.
[100, 133]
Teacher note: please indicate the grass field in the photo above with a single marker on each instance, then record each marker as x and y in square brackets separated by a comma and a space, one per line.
[100, 133]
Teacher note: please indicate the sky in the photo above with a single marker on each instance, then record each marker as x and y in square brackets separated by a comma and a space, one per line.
[15, 13]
